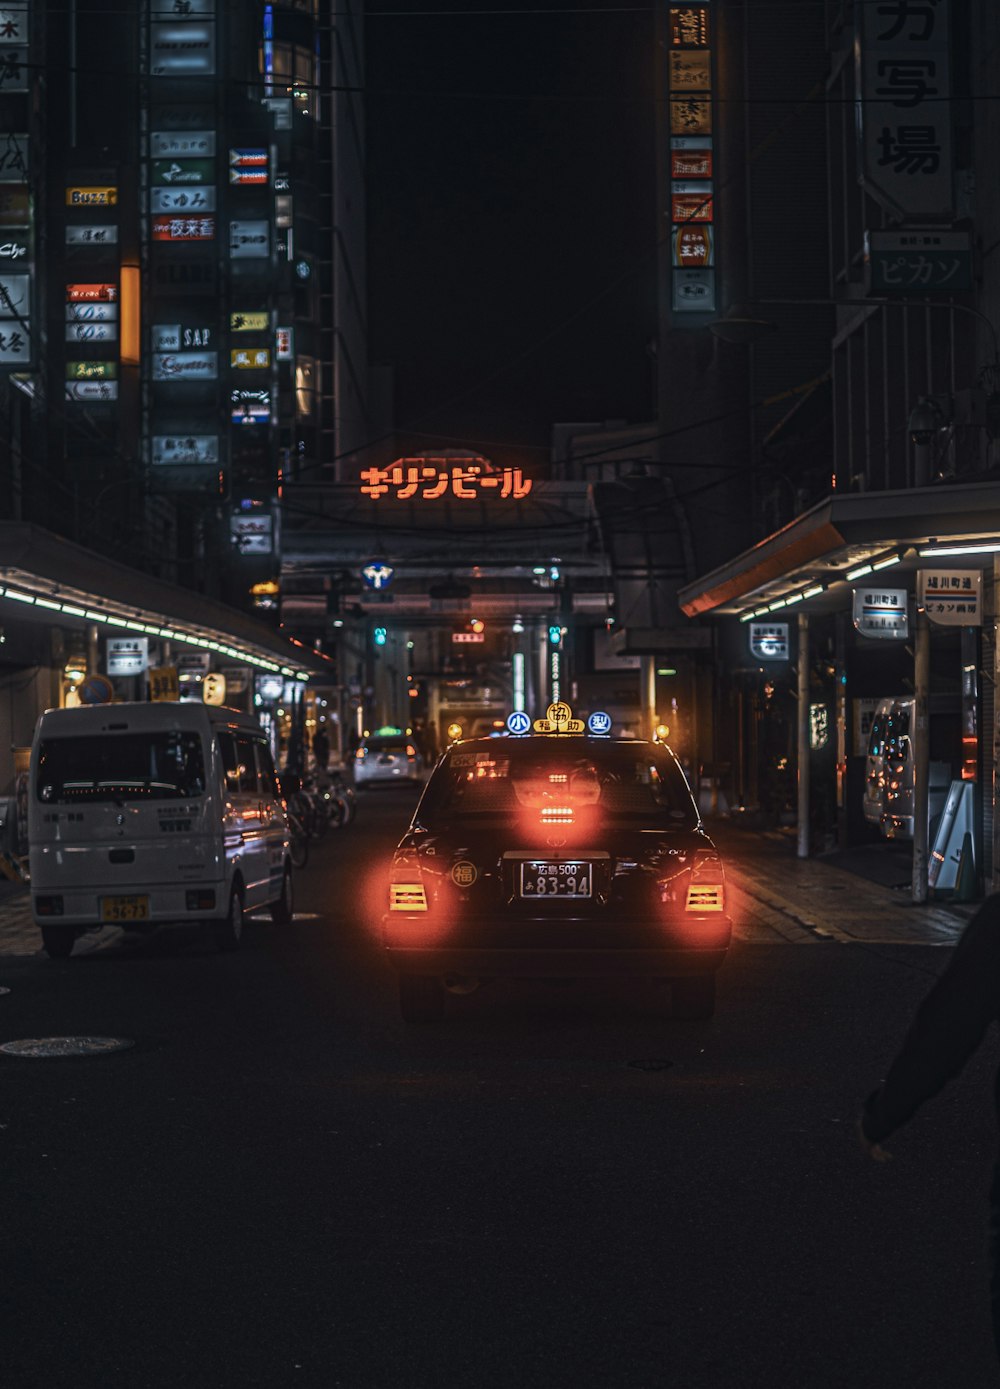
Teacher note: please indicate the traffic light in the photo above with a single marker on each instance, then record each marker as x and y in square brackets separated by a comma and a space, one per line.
[555, 634]
[476, 624]
[380, 636]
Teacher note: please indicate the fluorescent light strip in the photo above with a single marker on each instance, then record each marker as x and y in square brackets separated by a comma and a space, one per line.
[746, 617]
[133, 625]
[781, 603]
[813, 592]
[987, 548]
[886, 563]
[795, 598]
[860, 572]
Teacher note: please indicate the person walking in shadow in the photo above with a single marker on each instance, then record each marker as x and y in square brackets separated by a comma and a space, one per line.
[946, 1030]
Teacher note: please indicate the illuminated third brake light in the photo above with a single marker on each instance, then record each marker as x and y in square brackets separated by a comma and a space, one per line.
[557, 815]
[407, 897]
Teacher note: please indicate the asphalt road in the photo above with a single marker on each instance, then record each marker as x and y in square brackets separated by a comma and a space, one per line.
[282, 1183]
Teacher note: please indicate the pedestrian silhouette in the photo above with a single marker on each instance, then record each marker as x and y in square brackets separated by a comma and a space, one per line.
[321, 748]
[946, 1030]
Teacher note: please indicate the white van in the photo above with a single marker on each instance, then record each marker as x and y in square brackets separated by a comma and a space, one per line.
[145, 815]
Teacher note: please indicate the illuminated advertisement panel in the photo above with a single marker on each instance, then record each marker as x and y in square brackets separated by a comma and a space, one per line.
[100, 235]
[91, 313]
[185, 366]
[185, 449]
[177, 172]
[183, 144]
[92, 196]
[183, 200]
[91, 332]
[91, 371]
[91, 293]
[182, 49]
[14, 159]
[692, 200]
[92, 391]
[179, 228]
[253, 322]
[248, 239]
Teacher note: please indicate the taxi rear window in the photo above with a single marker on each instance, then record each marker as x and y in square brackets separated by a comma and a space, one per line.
[627, 783]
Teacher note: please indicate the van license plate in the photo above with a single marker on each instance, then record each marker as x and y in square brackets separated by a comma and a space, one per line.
[124, 908]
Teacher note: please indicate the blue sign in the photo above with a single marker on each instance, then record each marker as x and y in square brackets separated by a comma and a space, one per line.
[599, 723]
[378, 574]
[518, 723]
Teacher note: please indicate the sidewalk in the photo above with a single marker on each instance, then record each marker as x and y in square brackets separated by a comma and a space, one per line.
[857, 896]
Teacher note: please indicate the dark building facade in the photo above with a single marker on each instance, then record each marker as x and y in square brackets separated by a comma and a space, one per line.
[183, 206]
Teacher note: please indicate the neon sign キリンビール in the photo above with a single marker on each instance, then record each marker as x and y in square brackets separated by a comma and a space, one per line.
[431, 478]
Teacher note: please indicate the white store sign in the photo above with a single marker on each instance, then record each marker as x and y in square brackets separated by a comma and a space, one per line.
[182, 200]
[951, 598]
[91, 332]
[182, 144]
[185, 366]
[92, 236]
[249, 239]
[769, 640]
[127, 655]
[882, 613]
[185, 450]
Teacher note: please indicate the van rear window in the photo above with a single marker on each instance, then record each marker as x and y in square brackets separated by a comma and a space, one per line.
[120, 767]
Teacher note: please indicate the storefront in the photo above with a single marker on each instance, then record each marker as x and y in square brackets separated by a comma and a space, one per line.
[78, 628]
[866, 596]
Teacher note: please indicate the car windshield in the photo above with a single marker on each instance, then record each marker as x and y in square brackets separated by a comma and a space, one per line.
[116, 767]
[629, 783]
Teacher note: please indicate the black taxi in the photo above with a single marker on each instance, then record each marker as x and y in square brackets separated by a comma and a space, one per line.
[556, 852]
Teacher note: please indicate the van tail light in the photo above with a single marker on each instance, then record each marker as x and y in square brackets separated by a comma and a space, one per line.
[410, 750]
[707, 886]
[407, 897]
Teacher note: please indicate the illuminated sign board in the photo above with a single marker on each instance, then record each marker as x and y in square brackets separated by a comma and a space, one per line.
[691, 158]
[92, 197]
[881, 613]
[14, 24]
[250, 358]
[179, 172]
[104, 235]
[91, 293]
[284, 339]
[185, 366]
[91, 332]
[182, 49]
[171, 337]
[91, 371]
[468, 637]
[92, 390]
[431, 478]
[251, 412]
[769, 641]
[195, 199]
[91, 313]
[691, 207]
[251, 535]
[693, 247]
[185, 144]
[248, 166]
[256, 322]
[14, 159]
[248, 239]
[951, 598]
[688, 26]
[178, 228]
[15, 295]
[692, 202]
[127, 655]
[185, 450]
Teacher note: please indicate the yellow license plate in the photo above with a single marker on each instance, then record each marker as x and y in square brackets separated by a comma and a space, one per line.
[124, 908]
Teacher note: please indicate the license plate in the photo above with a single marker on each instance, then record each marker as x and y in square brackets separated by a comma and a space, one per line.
[124, 908]
[555, 878]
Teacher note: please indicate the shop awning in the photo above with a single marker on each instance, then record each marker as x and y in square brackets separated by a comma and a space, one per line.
[55, 581]
[846, 537]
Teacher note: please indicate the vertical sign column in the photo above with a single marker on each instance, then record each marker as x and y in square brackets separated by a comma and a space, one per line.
[692, 189]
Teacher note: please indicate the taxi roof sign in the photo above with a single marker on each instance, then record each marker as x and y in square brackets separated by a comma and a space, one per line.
[559, 719]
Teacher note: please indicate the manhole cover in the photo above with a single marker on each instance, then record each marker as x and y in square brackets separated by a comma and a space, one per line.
[42, 1048]
[653, 1064]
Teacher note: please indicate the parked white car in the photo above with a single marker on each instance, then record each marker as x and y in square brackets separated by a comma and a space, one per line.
[146, 815]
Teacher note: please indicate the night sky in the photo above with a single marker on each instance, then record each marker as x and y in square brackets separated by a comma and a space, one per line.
[511, 178]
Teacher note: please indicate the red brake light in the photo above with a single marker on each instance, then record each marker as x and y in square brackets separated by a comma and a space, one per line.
[707, 886]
